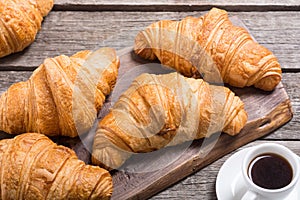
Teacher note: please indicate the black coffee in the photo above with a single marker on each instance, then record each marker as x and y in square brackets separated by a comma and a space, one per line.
[270, 171]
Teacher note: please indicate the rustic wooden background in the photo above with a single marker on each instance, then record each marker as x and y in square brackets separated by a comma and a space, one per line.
[75, 25]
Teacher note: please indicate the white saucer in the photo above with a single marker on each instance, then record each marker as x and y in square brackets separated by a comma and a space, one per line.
[230, 184]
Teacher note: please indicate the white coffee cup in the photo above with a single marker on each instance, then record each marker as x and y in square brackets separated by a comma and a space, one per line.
[254, 191]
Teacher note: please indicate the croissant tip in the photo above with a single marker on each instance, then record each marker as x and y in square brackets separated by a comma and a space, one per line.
[97, 162]
[218, 10]
[268, 83]
[142, 47]
[237, 124]
[45, 6]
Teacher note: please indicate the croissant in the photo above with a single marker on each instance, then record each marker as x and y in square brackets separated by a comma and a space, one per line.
[161, 110]
[33, 167]
[20, 20]
[63, 95]
[212, 47]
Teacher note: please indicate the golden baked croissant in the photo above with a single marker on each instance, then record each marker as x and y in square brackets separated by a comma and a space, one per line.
[34, 167]
[191, 46]
[161, 110]
[20, 20]
[63, 95]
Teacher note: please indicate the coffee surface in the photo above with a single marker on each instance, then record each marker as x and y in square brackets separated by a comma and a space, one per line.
[270, 171]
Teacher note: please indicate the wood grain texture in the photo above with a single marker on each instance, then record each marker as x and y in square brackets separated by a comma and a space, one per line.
[69, 32]
[290, 82]
[290, 131]
[7, 78]
[174, 5]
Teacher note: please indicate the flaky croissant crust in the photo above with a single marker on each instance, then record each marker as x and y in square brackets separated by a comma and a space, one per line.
[210, 46]
[161, 110]
[20, 20]
[33, 167]
[63, 95]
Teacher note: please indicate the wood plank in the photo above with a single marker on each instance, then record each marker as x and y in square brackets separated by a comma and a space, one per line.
[290, 82]
[201, 185]
[69, 32]
[287, 132]
[175, 2]
[290, 130]
[7, 78]
[174, 5]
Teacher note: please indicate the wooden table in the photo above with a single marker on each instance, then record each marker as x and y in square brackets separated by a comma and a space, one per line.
[75, 25]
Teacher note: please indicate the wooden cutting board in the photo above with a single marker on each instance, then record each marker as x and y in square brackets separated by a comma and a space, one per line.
[146, 174]
[267, 111]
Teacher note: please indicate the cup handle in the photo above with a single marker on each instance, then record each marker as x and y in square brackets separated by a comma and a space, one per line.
[249, 195]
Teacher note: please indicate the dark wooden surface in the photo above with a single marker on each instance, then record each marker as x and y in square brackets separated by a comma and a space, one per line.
[175, 5]
[90, 24]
